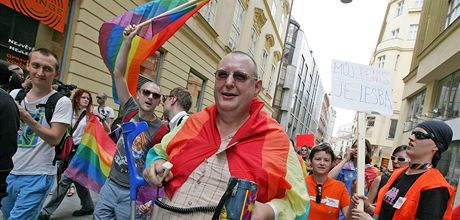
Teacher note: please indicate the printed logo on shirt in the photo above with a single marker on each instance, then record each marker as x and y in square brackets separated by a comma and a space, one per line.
[27, 138]
[390, 196]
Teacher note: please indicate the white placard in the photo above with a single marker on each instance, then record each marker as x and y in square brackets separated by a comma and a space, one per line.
[360, 87]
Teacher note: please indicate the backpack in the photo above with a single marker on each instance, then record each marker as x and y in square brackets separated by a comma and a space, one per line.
[64, 147]
[117, 132]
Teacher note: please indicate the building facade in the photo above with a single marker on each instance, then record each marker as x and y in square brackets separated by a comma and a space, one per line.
[299, 92]
[432, 86]
[393, 53]
[326, 121]
[188, 59]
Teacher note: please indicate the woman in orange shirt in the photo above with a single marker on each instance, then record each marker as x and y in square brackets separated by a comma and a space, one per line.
[327, 196]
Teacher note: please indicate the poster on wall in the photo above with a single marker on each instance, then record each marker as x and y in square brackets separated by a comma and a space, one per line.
[49, 12]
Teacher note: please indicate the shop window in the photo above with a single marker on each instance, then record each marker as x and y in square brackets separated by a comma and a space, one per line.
[392, 131]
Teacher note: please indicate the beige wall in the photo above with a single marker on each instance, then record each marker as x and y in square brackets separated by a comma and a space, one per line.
[197, 46]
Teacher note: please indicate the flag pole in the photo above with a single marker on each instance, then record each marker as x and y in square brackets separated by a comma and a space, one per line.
[361, 157]
[146, 22]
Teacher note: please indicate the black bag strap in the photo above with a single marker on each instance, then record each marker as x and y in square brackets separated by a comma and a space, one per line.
[78, 121]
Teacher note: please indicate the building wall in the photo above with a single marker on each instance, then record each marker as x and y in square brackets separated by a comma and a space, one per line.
[190, 57]
[395, 46]
[436, 60]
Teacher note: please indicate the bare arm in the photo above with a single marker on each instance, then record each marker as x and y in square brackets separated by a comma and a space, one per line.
[52, 135]
[336, 170]
[121, 65]
[373, 190]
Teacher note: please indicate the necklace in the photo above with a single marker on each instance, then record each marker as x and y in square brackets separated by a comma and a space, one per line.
[420, 166]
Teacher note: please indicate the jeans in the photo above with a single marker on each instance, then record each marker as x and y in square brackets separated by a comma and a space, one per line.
[26, 195]
[114, 203]
[61, 191]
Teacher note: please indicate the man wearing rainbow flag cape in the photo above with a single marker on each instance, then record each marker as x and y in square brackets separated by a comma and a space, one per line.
[232, 137]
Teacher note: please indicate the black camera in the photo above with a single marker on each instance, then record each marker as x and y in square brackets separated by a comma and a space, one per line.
[64, 89]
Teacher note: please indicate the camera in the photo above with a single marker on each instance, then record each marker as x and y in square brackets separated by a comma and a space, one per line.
[64, 89]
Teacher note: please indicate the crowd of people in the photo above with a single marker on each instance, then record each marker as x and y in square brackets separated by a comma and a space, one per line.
[233, 137]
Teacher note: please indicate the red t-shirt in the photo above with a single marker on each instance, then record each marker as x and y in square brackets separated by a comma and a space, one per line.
[334, 198]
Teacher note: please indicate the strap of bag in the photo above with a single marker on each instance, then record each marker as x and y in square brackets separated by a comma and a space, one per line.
[78, 121]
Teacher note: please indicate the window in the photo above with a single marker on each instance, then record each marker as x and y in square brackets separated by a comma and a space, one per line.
[448, 97]
[281, 25]
[196, 86]
[272, 75]
[412, 31]
[209, 11]
[395, 33]
[151, 67]
[397, 62]
[415, 111]
[370, 121]
[453, 11]
[236, 26]
[273, 8]
[381, 61]
[418, 3]
[399, 8]
[263, 65]
[392, 131]
[253, 42]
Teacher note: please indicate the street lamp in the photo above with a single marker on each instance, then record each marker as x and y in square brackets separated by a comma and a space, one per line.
[346, 1]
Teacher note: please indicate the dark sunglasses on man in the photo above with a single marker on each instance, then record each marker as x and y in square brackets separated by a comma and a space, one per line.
[422, 135]
[147, 93]
[400, 159]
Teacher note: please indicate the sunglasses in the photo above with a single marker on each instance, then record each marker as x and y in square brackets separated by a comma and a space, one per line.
[319, 193]
[238, 76]
[421, 135]
[147, 93]
[17, 68]
[165, 97]
[98, 97]
[400, 159]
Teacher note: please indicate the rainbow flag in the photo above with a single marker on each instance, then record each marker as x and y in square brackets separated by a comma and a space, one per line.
[168, 16]
[91, 163]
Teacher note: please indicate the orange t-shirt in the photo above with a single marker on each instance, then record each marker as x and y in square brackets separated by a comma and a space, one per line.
[334, 198]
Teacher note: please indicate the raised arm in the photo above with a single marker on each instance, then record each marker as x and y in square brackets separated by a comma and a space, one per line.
[121, 65]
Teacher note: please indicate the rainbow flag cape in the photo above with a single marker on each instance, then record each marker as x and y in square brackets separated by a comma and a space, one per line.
[150, 37]
[91, 163]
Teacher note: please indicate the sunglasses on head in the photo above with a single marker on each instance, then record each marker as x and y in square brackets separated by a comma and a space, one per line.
[400, 159]
[421, 135]
[147, 93]
[319, 193]
[238, 76]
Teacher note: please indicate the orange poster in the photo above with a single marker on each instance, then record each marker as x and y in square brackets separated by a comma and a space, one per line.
[50, 12]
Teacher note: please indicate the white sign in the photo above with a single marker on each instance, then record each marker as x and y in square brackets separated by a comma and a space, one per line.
[360, 87]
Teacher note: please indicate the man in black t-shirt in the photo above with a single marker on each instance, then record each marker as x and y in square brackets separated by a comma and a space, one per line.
[419, 191]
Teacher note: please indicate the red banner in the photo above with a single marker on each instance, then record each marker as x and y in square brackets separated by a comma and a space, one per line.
[49, 12]
[305, 140]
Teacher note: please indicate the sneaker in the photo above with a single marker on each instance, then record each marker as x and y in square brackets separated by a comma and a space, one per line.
[82, 212]
[44, 216]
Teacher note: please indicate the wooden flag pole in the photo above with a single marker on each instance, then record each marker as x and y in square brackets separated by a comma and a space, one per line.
[361, 157]
[146, 22]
